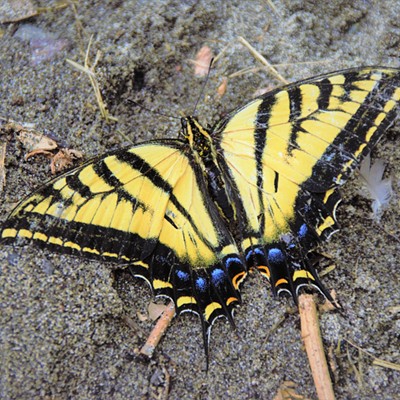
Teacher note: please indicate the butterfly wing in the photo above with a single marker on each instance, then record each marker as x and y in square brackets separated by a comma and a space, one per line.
[288, 151]
[143, 206]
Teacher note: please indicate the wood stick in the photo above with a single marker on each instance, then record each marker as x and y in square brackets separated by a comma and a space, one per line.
[158, 330]
[311, 336]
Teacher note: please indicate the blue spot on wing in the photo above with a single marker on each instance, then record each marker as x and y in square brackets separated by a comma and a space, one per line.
[182, 275]
[303, 231]
[254, 251]
[232, 261]
[201, 284]
[275, 255]
[217, 276]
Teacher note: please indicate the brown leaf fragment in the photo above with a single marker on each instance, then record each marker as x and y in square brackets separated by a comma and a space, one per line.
[202, 61]
[35, 141]
[222, 87]
[64, 159]
[61, 160]
[38, 143]
[287, 391]
[155, 310]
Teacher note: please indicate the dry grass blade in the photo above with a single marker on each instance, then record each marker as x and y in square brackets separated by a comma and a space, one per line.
[57, 6]
[220, 54]
[3, 147]
[386, 364]
[273, 7]
[89, 70]
[356, 366]
[262, 59]
[254, 70]
[311, 336]
[376, 361]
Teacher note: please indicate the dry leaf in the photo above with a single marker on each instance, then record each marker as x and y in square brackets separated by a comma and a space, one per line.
[155, 310]
[39, 144]
[222, 87]
[35, 141]
[287, 391]
[202, 61]
[64, 159]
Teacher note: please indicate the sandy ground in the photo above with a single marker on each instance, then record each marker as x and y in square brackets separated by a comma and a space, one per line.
[63, 320]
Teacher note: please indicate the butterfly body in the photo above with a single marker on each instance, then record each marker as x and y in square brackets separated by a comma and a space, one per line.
[192, 216]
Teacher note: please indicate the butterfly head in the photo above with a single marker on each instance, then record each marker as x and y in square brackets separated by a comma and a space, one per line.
[197, 136]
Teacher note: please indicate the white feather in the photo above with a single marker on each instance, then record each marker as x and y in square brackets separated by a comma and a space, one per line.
[380, 190]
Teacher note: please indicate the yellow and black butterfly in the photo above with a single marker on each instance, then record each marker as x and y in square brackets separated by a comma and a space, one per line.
[192, 216]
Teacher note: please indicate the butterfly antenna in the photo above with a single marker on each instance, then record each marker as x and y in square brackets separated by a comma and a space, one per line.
[203, 87]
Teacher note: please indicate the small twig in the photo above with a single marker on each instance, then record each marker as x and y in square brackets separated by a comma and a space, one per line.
[311, 336]
[382, 229]
[164, 394]
[262, 59]
[159, 329]
[3, 147]
[253, 70]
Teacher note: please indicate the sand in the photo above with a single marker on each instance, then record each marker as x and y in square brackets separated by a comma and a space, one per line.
[63, 320]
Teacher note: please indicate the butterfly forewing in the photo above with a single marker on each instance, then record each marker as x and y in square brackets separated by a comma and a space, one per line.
[288, 151]
[143, 206]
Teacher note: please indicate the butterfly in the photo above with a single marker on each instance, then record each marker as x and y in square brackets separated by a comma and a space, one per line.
[257, 191]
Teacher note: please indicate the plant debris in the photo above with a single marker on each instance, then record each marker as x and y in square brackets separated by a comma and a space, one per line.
[89, 69]
[3, 147]
[202, 61]
[37, 143]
